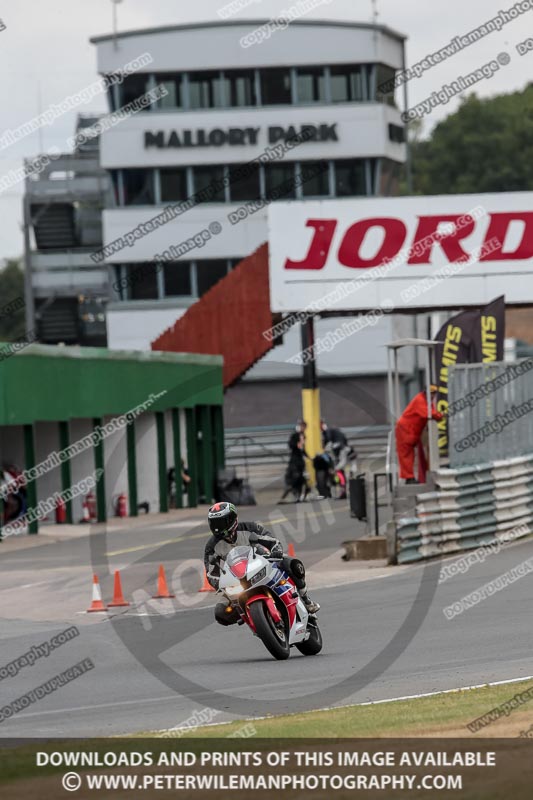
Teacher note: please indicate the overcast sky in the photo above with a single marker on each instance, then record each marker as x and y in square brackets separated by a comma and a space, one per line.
[45, 55]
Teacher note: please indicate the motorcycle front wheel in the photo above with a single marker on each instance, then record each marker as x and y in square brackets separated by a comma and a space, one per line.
[313, 645]
[274, 636]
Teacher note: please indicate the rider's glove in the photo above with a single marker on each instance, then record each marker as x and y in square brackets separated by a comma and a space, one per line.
[262, 551]
[277, 551]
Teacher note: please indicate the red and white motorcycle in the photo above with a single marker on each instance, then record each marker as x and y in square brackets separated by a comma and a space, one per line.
[267, 600]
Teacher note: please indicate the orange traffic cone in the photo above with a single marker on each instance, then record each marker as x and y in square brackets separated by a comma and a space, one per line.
[162, 588]
[118, 597]
[97, 604]
[207, 586]
[290, 550]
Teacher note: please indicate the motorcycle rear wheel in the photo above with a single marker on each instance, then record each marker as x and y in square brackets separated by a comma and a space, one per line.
[273, 636]
[313, 645]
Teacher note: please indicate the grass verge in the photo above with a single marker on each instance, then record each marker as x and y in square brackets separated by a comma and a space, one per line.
[440, 715]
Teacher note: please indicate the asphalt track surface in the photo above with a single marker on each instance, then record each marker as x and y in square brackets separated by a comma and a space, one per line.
[385, 635]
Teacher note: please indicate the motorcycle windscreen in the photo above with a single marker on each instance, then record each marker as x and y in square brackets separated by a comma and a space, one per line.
[237, 561]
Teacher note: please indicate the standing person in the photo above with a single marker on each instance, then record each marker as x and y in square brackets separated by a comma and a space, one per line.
[174, 487]
[297, 438]
[295, 480]
[409, 429]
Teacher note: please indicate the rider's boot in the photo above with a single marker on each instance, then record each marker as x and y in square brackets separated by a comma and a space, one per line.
[311, 606]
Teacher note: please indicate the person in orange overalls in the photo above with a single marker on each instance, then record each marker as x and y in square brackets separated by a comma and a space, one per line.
[409, 429]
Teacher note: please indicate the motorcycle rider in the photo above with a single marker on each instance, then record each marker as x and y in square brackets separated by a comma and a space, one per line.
[227, 532]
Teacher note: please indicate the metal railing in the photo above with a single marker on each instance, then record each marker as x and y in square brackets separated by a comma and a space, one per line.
[489, 414]
[269, 445]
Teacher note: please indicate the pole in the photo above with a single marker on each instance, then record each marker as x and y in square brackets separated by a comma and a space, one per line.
[162, 460]
[66, 477]
[311, 395]
[408, 162]
[29, 463]
[28, 285]
[132, 468]
[192, 460]
[115, 25]
[207, 453]
[176, 438]
[99, 464]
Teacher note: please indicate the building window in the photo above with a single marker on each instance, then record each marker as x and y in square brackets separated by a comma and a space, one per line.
[122, 291]
[112, 93]
[396, 133]
[350, 180]
[206, 90]
[385, 84]
[279, 181]
[208, 273]
[276, 87]
[138, 187]
[315, 178]
[209, 181]
[173, 84]
[347, 84]
[241, 88]
[132, 87]
[247, 187]
[177, 279]
[142, 280]
[115, 180]
[173, 184]
[391, 173]
[373, 175]
[311, 85]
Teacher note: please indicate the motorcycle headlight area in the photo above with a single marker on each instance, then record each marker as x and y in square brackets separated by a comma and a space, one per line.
[258, 576]
[233, 591]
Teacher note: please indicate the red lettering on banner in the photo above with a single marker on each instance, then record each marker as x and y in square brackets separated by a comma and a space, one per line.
[427, 236]
[395, 233]
[498, 227]
[428, 230]
[320, 246]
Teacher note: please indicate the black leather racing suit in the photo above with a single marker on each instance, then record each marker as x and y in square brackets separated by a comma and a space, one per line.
[293, 566]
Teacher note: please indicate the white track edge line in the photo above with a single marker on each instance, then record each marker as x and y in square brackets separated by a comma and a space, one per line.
[359, 705]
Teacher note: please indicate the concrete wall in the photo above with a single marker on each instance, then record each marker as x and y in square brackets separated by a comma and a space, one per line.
[82, 464]
[116, 467]
[12, 445]
[169, 440]
[46, 435]
[344, 402]
[147, 467]
[215, 46]
[130, 329]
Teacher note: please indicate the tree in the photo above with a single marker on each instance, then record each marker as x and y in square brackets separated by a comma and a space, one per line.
[12, 316]
[485, 146]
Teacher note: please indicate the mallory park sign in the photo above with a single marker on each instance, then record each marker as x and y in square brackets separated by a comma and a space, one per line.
[217, 137]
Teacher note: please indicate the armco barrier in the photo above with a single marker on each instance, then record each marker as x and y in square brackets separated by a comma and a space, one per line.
[473, 506]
